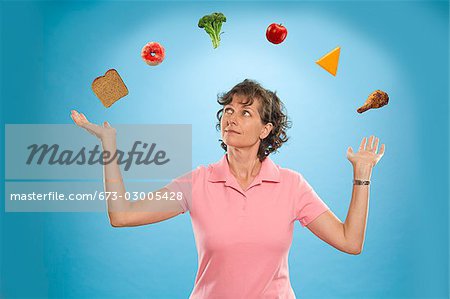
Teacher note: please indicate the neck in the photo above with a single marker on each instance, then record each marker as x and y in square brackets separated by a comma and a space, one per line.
[243, 164]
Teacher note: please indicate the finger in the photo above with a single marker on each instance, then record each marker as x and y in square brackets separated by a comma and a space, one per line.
[75, 114]
[79, 119]
[375, 146]
[381, 153]
[363, 144]
[106, 124]
[369, 144]
[349, 151]
[83, 117]
[75, 119]
[72, 114]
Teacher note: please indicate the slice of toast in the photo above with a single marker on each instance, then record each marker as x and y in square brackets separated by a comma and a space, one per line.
[109, 88]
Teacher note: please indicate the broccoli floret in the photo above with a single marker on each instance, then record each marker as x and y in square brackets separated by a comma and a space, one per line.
[213, 24]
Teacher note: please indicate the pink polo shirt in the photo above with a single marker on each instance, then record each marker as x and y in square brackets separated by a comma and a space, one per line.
[243, 237]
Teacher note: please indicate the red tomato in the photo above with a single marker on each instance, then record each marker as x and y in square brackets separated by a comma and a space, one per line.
[276, 33]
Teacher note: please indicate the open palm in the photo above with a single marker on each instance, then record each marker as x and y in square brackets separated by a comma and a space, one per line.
[367, 153]
[100, 132]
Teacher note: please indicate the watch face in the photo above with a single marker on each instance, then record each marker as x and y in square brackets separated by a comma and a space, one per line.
[359, 182]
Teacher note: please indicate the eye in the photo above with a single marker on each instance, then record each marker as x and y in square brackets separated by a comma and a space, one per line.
[227, 109]
[246, 111]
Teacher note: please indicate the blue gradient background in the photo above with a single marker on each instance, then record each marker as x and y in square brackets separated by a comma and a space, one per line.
[51, 52]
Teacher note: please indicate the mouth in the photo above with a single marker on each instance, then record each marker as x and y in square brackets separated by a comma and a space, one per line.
[231, 132]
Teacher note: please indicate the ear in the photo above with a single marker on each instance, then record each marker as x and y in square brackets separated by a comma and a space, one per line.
[266, 130]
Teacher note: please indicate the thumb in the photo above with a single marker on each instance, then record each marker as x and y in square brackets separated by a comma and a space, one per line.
[106, 124]
[349, 150]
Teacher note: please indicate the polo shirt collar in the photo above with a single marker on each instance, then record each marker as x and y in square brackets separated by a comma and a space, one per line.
[221, 173]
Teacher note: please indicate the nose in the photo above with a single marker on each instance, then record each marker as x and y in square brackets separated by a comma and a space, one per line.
[231, 119]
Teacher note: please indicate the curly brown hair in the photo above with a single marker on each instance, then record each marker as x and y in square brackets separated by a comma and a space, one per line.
[271, 110]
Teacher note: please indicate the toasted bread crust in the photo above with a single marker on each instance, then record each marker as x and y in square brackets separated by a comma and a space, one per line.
[109, 88]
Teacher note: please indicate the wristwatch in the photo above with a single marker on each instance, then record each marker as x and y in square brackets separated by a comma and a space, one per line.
[361, 182]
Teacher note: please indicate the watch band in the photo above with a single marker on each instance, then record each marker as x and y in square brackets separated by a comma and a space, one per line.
[361, 182]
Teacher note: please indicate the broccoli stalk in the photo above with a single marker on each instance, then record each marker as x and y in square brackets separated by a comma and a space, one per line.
[213, 24]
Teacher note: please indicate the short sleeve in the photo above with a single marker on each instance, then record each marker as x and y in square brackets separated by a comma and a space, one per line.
[184, 185]
[308, 203]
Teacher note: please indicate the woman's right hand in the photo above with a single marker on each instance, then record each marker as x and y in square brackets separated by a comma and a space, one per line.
[102, 132]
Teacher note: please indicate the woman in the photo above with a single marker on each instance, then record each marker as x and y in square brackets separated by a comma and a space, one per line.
[243, 208]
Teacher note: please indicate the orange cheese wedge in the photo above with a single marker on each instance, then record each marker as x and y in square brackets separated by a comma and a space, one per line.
[330, 61]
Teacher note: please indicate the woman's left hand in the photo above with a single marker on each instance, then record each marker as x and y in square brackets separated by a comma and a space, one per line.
[367, 154]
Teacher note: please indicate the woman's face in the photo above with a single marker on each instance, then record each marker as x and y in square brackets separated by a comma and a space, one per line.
[241, 126]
